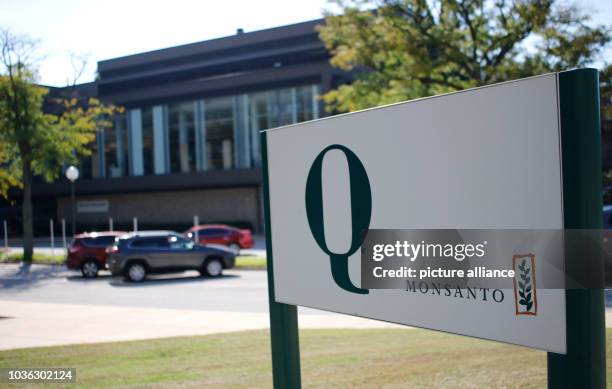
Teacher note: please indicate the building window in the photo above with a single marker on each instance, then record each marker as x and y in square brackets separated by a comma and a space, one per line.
[181, 126]
[115, 146]
[95, 160]
[86, 166]
[212, 134]
[282, 107]
[306, 103]
[219, 133]
[278, 108]
[147, 141]
[259, 116]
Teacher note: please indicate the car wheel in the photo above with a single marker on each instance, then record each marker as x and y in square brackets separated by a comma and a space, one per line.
[136, 272]
[89, 269]
[213, 267]
[235, 247]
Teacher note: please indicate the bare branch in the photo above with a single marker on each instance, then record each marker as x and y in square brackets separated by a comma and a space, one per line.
[79, 63]
[19, 52]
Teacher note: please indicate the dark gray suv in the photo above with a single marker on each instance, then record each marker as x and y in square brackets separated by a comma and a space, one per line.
[137, 254]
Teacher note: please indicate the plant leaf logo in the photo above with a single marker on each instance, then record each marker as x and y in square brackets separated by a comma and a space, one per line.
[525, 285]
[525, 296]
[361, 211]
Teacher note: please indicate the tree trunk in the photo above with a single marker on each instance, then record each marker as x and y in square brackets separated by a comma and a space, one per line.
[28, 230]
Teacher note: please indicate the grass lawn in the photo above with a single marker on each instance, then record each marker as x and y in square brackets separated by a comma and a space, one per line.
[250, 263]
[389, 358]
[56, 259]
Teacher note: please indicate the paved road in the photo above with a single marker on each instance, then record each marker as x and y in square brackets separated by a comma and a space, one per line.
[48, 305]
[239, 291]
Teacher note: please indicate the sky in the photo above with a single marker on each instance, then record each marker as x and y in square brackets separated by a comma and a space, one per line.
[104, 29]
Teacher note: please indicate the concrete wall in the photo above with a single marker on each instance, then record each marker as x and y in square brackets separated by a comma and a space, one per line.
[176, 207]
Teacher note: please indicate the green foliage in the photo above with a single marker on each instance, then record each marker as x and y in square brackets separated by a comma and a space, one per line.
[404, 49]
[34, 141]
[9, 166]
[31, 139]
[20, 114]
[47, 140]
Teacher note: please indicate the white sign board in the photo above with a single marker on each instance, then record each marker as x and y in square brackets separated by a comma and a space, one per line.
[487, 158]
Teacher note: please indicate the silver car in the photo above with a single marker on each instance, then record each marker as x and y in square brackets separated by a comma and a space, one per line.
[137, 254]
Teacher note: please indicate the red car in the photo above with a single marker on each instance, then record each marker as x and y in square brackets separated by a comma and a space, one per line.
[221, 234]
[87, 252]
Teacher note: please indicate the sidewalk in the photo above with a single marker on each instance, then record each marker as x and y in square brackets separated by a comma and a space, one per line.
[26, 324]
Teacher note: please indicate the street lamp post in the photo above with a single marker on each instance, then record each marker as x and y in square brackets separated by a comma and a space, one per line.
[72, 173]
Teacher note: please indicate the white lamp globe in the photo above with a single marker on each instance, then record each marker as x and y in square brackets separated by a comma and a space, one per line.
[72, 173]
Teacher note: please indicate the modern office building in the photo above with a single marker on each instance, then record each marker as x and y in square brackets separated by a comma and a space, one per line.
[188, 141]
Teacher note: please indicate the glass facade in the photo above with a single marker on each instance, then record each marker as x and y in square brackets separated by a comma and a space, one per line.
[181, 134]
[207, 134]
[115, 144]
[147, 141]
[259, 120]
[282, 103]
[219, 119]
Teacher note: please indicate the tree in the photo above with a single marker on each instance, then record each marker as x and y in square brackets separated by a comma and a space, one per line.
[404, 49]
[34, 142]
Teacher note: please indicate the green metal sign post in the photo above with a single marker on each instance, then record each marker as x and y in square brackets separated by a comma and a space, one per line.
[584, 364]
[283, 317]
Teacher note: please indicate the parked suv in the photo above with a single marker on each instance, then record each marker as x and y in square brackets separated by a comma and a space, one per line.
[87, 252]
[138, 254]
[222, 234]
